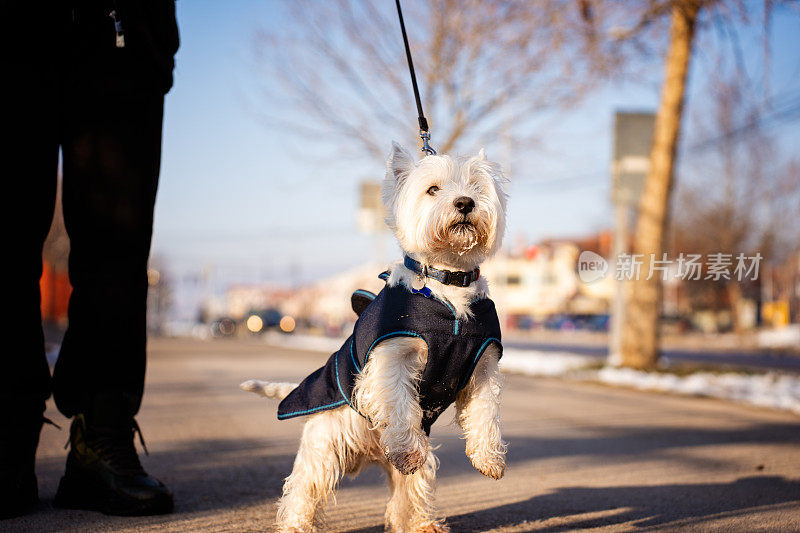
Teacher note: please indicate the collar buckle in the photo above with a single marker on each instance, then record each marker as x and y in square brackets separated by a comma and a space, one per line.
[462, 279]
[447, 277]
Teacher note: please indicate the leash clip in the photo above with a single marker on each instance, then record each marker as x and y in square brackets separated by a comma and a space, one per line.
[427, 148]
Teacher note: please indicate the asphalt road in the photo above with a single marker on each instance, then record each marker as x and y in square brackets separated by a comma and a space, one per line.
[581, 456]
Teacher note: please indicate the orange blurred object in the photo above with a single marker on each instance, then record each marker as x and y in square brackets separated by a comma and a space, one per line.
[531, 252]
[287, 324]
[55, 288]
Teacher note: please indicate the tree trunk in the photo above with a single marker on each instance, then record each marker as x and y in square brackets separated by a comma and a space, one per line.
[736, 305]
[640, 336]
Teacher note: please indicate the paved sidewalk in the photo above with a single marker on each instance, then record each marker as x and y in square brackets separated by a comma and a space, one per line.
[580, 456]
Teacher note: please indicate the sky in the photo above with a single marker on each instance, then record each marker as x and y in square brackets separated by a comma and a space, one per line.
[240, 201]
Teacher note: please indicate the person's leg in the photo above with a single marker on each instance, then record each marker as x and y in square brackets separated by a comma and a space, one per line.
[30, 200]
[30, 162]
[111, 153]
[24, 373]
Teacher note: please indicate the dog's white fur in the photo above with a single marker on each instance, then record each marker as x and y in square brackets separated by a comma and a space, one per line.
[431, 230]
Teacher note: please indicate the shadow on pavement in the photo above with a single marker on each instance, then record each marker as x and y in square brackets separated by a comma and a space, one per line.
[221, 473]
[645, 505]
[623, 444]
[215, 475]
[205, 476]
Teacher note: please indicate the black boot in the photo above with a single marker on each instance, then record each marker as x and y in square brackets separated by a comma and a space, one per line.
[19, 437]
[104, 473]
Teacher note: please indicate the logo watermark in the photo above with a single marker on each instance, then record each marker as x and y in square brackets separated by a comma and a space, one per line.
[687, 267]
[591, 266]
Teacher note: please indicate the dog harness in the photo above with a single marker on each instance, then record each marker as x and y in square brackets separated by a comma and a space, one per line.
[454, 348]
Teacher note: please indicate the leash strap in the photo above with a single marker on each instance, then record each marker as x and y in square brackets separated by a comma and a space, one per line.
[423, 122]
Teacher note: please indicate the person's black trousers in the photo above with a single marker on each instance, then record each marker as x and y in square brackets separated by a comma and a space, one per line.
[111, 156]
[110, 143]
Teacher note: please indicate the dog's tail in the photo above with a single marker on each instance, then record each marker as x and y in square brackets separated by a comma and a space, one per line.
[268, 389]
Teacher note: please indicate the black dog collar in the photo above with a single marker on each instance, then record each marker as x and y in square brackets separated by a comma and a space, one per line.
[446, 277]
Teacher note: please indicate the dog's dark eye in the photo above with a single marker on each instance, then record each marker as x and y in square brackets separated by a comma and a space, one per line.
[432, 190]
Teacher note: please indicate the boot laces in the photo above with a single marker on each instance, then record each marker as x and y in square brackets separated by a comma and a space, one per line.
[116, 446]
[46, 420]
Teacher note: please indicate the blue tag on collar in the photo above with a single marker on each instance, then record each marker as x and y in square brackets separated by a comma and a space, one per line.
[425, 291]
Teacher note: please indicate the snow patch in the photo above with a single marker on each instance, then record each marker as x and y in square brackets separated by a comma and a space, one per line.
[539, 363]
[787, 337]
[773, 390]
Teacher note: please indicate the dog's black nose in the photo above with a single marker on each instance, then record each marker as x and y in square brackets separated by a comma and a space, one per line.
[464, 204]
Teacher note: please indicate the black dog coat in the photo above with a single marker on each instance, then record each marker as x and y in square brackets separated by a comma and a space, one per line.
[454, 348]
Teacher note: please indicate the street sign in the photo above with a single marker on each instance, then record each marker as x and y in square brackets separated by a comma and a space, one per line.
[633, 140]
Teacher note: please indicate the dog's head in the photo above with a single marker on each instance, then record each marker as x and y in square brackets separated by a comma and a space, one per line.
[443, 210]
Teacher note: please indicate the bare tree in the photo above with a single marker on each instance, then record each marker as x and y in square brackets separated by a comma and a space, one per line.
[640, 335]
[741, 195]
[640, 338]
[486, 68]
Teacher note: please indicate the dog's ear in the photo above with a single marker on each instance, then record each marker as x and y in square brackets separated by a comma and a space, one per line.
[482, 155]
[400, 163]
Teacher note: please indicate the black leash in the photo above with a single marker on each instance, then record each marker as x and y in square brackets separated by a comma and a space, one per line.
[423, 123]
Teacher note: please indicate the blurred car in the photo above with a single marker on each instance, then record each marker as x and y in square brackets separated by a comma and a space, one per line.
[565, 322]
[560, 322]
[223, 327]
[598, 322]
[258, 322]
[523, 322]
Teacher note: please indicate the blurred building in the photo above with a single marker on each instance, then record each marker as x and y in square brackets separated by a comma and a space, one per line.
[325, 305]
[542, 280]
[533, 282]
[242, 298]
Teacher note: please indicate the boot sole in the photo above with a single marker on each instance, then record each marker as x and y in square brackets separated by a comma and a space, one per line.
[88, 494]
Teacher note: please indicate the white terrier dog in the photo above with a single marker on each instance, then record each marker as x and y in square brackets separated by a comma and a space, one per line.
[429, 339]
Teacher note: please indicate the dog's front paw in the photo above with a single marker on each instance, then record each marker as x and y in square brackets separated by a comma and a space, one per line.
[489, 462]
[407, 452]
[407, 462]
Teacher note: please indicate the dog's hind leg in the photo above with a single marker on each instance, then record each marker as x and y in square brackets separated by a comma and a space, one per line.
[411, 506]
[317, 469]
[478, 414]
